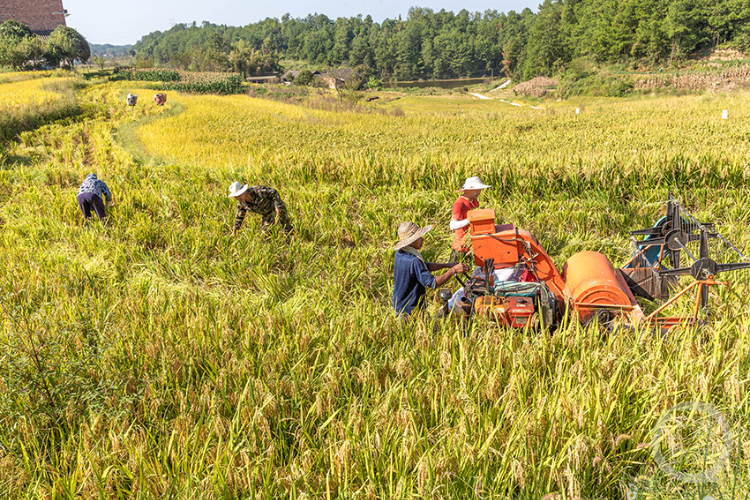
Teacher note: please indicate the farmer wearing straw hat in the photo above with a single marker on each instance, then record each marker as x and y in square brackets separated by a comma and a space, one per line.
[459, 223]
[260, 200]
[411, 274]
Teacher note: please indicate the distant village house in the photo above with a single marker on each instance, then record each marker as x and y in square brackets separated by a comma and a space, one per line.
[264, 79]
[292, 75]
[336, 78]
[41, 16]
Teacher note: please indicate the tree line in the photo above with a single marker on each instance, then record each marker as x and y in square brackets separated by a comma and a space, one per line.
[431, 45]
[19, 47]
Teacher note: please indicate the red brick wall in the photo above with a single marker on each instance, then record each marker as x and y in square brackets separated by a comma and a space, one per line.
[38, 15]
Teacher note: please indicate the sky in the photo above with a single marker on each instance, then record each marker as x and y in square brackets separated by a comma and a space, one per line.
[122, 23]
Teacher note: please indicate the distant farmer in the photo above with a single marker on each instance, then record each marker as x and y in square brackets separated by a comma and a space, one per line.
[90, 197]
[160, 99]
[132, 99]
[411, 274]
[468, 200]
[260, 200]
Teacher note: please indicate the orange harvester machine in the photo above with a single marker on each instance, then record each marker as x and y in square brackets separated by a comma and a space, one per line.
[588, 281]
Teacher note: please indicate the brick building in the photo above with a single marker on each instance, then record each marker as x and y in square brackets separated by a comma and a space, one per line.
[41, 16]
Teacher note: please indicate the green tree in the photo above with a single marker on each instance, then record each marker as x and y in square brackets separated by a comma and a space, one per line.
[14, 30]
[442, 44]
[65, 45]
[241, 57]
[305, 78]
[342, 38]
[100, 61]
[214, 55]
[32, 48]
[682, 27]
[545, 51]
[15, 44]
[359, 76]
[266, 60]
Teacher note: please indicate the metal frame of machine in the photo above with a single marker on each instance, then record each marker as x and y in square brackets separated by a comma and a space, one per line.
[589, 286]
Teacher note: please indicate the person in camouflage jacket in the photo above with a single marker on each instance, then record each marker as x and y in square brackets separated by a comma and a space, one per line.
[261, 200]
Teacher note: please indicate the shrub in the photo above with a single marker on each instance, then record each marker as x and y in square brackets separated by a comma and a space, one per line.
[305, 77]
[621, 87]
[374, 84]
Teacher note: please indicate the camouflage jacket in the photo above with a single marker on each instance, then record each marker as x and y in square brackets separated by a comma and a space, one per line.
[265, 202]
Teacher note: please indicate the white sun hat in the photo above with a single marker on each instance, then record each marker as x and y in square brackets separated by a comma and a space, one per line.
[236, 189]
[473, 183]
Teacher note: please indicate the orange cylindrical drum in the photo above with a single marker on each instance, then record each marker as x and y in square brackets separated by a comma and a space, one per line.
[590, 278]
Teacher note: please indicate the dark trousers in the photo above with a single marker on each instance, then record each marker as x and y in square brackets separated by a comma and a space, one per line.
[87, 201]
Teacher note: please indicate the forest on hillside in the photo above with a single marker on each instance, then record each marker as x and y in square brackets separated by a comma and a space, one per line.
[429, 44]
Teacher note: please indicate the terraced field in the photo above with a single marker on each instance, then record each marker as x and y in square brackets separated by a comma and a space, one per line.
[160, 356]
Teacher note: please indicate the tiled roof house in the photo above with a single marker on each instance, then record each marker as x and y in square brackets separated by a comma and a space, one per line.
[41, 16]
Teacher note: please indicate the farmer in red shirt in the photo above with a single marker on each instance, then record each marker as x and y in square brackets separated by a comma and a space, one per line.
[459, 223]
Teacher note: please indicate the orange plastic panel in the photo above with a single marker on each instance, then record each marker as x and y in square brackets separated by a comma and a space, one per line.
[503, 250]
[590, 278]
[481, 220]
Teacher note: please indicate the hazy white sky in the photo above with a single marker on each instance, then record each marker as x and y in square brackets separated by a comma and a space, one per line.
[125, 22]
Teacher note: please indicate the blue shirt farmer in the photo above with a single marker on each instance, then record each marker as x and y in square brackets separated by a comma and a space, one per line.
[410, 277]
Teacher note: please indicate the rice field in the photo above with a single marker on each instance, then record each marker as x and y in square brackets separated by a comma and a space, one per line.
[158, 356]
[32, 91]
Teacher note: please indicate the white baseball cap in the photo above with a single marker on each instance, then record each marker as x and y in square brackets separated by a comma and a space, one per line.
[236, 189]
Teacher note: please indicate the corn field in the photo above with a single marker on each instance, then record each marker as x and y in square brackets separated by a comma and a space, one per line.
[157, 356]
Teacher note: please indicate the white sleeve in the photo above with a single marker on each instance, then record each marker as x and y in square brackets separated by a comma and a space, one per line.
[458, 224]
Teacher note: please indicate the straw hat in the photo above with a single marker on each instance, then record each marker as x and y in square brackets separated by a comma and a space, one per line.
[236, 189]
[408, 233]
[473, 183]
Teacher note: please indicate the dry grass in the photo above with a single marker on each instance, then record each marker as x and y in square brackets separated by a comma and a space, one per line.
[728, 79]
[536, 87]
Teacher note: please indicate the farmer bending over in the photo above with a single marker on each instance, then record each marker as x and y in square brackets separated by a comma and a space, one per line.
[411, 274]
[260, 200]
[468, 200]
[90, 196]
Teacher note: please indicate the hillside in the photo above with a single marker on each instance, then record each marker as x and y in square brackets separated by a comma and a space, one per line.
[107, 50]
[434, 45]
